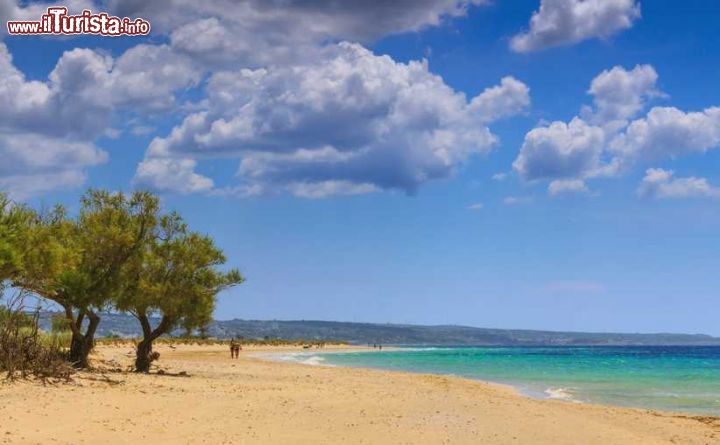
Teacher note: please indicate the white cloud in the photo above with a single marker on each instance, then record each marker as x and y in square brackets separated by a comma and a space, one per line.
[499, 176]
[176, 175]
[476, 206]
[22, 103]
[86, 87]
[258, 33]
[509, 98]
[605, 142]
[304, 114]
[34, 153]
[563, 22]
[660, 183]
[23, 186]
[668, 132]
[16, 10]
[358, 21]
[560, 187]
[349, 122]
[48, 128]
[143, 77]
[561, 150]
[324, 189]
[220, 44]
[33, 164]
[619, 94]
[40, 145]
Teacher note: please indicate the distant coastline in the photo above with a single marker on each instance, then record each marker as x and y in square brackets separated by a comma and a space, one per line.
[121, 325]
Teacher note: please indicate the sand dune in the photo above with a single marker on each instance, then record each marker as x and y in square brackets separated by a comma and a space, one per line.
[255, 401]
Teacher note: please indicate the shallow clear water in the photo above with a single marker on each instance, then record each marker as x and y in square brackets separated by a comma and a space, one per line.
[672, 378]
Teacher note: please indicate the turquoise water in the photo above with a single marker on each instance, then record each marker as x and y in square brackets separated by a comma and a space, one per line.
[670, 378]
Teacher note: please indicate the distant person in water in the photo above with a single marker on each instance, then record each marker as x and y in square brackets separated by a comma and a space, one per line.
[380, 346]
[234, 349]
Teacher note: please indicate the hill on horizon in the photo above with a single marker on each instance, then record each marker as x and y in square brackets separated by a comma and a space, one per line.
[403, 334]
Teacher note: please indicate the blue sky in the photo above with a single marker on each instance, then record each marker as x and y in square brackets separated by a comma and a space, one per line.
[350, 181]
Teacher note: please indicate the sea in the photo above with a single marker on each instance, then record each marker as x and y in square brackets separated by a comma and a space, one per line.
[675, 378]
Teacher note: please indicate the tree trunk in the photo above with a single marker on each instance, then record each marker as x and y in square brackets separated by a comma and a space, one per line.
[82, 343]
[80, 348]
[145, 355]
[143, 358]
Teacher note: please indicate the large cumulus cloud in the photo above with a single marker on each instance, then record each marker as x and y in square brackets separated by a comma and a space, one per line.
[349, 121]
[282, 90]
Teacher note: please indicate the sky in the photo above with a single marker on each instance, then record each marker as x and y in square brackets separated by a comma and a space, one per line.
[537, 164]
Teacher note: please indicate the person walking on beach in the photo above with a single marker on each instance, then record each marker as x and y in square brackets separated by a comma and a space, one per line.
[234, 349]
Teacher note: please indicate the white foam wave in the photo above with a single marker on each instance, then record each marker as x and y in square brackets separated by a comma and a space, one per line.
[297, 357]
[559, 394]
[314, 360]
[418, 348]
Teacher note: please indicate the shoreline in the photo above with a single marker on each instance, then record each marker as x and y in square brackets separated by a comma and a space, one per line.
[268, 356]
[260, 401]
[517, 388]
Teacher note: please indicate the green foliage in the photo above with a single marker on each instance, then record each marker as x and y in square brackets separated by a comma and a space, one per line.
[112, 228]
[117, 253]
[14, 222]
[50, 251]
[78, 263]
[177, 277]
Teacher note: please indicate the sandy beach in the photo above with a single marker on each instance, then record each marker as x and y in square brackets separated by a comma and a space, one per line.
[256, 401]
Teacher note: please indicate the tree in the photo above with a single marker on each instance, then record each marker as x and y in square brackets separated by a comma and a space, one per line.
[78, 263]
[199, 322]
[8, 252]
[14, 221]
[177, 279]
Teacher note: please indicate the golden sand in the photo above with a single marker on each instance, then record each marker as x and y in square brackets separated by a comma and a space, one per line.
[255, 401]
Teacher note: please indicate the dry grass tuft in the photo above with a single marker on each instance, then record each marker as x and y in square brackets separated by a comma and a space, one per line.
[25, 351]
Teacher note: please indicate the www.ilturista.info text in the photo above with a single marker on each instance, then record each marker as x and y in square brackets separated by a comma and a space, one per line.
[57, 21]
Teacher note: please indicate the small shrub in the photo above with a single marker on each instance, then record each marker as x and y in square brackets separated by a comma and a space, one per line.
[26, 351]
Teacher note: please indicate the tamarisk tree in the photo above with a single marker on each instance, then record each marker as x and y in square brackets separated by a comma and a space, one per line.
[8, 251]
[177, 279]
[14, 222]
[79, 263]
